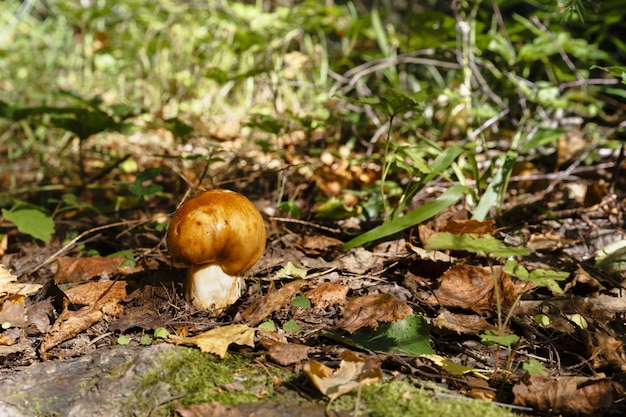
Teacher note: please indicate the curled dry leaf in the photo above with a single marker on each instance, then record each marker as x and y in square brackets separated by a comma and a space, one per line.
[568, 395]
[461, 323]
[327, 295]
[353, 372]
[107, 296]
[217, 340]
[69, 324]
[368, 310]
[316, 244]
[281, 352]
[272, 302]
[98, 299]
[471, 288]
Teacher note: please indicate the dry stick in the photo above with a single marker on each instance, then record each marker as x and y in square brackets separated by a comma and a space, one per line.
[564, 56]
[67, 246]
[305, 223]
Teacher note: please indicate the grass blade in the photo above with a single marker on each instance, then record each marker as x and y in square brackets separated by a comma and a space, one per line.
[417, 216]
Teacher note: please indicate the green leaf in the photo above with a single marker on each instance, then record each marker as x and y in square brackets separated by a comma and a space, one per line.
[491, 337]
[534, 367]
[145, 340]
[148, 174]
[266, 123]
[411, 219]
[494, 193]
[291, 270]
[267, 325]
[138, 189]
[160, 333]
[542, 320]
[612, 257]
[410, 336]
[616, 70]
[33, 222]
[336, 209]
[442, 162]
[128, 255]
[301, 301]
[474, 243]
[396, 102]
[541, 277]
[179, 128]
[291, 326]
[123, 340]
[291, 209]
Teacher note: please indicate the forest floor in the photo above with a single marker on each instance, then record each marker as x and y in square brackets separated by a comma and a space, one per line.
[391, 328]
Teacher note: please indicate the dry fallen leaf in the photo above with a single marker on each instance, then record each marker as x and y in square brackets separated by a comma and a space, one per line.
[272, 302]
[548, 241]
[606, 348]
[283, 353]
[568, 395]
[4, 243]
[98, 299]
[461, 323]
[316, 244]
[471, 288]
[358, 261]
[353, 372]
[69, 324]
[368, 310]
[13, 312]
[9, 285]
[83, 269]
[327, 295]
[107, 296]
[458, 227]
[217, 340]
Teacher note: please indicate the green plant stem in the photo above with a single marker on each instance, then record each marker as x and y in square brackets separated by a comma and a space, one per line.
[386, 167]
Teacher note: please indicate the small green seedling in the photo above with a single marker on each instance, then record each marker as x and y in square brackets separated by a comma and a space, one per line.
[291, 326]
[161, 333]
[301, 301]
[123, 340]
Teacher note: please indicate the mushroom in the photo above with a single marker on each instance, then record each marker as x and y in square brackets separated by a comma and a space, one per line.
[219, 234]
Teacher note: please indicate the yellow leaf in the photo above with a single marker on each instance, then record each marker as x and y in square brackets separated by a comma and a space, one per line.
[352, 373]
[453, 367]
[9, 285]
[217, 340]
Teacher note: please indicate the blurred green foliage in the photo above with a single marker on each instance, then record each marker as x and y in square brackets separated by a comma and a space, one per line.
[435, 92]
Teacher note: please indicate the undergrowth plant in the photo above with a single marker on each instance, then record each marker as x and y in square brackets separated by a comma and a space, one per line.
[496, 250]
[513, 79]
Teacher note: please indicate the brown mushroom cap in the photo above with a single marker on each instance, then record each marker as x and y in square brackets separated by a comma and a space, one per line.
[217, 227]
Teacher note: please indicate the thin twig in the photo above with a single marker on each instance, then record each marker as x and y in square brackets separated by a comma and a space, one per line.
[305, 223]
[562, 53]
[67, 247]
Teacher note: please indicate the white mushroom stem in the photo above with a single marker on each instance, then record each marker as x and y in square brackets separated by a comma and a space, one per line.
[209, 287]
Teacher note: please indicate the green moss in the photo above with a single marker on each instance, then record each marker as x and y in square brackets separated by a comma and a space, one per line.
[197, 377]
[192, 377]
[411, 399]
